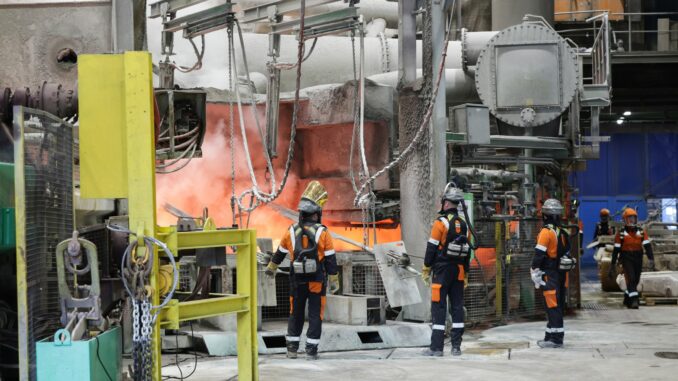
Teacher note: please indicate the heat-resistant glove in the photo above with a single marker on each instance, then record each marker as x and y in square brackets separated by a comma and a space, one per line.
[650, 263]
[465, 281]
[537, 277]
[271, 269]
[426, 275]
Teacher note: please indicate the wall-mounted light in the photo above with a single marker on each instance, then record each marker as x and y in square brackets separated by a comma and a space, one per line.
[627, 113]
[620, 121]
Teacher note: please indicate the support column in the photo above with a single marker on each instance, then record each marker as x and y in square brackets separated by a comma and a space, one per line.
[423, 174]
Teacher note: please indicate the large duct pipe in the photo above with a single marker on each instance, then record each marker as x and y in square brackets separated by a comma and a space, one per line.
[336, 52]
[508, 13]
[459, 86]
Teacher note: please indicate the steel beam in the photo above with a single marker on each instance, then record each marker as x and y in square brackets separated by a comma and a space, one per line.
[407, 42]
[201, 239]
[209, 18]
[175, 312]
[171, 6]
[523, 142]
[321, 20]
[260, 12]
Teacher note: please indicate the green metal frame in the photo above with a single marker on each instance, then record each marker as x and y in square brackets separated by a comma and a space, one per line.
[128, 144]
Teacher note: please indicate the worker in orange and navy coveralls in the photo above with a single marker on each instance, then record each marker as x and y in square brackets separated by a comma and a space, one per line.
[629, 242]
[549, 272]
[603, 226]
[312, 264]
[448, 256]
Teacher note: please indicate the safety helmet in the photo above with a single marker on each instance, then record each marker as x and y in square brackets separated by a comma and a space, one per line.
[552, 207]
[628, 213]
[313, 199]
[452, 193]
[604, 212]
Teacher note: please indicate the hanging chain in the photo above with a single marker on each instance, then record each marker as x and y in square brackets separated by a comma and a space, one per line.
[231, 127]
[385, 53]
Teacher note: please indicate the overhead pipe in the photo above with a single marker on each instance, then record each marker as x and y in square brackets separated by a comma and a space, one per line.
[459, 85]
[336, 52]
[370, 9]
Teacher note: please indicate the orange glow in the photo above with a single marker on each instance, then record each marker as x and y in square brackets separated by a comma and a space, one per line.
[206, 182]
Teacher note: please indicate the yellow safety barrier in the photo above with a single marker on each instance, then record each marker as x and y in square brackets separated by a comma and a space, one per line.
[117, 160]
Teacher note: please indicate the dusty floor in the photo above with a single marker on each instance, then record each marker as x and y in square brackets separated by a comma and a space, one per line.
[603, 342]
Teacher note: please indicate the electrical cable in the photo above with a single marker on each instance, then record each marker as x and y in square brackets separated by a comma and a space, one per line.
[290, 66]
[199, 56]
[96, 339]
[260, 196]
[422, 128]
[148, 241]
[195, 363]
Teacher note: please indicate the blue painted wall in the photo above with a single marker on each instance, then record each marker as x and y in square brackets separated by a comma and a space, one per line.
[631, 169]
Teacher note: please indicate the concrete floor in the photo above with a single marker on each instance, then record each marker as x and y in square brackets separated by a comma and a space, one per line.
[602, 342]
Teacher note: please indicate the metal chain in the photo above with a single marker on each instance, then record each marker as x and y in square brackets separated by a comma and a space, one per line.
[262, 197]
[146, 330]
[231, 127]
[356, 117]
[385, 53]
[420, 132]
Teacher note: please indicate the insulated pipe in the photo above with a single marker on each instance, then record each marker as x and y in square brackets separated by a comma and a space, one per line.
[473, 44]
[375, 27]
[369, 9]
[336, 52]
[459, 86]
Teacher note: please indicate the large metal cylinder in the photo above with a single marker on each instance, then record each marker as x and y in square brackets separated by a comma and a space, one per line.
[527, 75]
[506, 13]
[459, 85]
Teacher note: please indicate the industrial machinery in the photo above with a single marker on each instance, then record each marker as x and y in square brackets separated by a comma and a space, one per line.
[507, 134]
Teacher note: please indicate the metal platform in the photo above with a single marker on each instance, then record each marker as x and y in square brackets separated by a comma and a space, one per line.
[335, 337]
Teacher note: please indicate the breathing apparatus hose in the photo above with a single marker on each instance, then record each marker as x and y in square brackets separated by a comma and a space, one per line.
[473, 245]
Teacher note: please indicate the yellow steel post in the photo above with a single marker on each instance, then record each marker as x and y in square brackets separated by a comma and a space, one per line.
[20, 223]
[117, 155]
[141, 167]
[247, 321]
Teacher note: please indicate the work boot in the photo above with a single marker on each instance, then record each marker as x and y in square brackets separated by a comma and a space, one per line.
[548, 344]
[292, 351]
[635, 303]
[626, 301]
[456, 351]
[431, 353]
[311, 352]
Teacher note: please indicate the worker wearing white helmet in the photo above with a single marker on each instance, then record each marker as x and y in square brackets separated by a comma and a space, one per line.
[448, 256]
[550, 265]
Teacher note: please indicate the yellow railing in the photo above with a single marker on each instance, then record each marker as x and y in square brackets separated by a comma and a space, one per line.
[117, 160]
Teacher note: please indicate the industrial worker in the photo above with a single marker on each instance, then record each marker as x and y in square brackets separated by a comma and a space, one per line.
[630, 242]
[312, 264]
[448, 257]
[550, 265]
[603, 226]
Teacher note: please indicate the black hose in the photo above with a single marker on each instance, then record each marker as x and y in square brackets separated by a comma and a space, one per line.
[474, 244]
